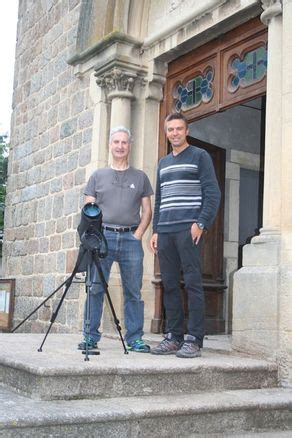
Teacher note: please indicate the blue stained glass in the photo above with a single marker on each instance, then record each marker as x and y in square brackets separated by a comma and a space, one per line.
[209, 93]
[209, 75]
[252, 68]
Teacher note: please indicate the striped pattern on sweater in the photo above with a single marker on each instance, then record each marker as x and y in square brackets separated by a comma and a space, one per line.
[180, 189]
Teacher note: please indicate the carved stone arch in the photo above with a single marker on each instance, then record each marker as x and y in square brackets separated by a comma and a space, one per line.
[138, 18]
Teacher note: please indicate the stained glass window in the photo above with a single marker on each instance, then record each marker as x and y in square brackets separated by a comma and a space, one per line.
[248, 70]
[197, 90]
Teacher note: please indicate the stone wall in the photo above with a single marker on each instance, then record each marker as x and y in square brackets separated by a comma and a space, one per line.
[50, 149]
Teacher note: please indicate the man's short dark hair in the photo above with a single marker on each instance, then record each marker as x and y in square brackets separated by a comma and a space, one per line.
[175, 116]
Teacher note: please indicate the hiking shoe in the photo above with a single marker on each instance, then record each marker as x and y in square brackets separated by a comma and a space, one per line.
[167, 346]
[138, 346]
[92, 345]
[189, 349]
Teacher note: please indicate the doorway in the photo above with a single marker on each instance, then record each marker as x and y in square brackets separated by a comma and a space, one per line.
[220, 88]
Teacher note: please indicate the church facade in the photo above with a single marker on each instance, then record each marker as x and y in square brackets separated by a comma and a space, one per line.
[83, 67]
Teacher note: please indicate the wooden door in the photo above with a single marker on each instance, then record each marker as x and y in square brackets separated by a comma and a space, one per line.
[212, 257]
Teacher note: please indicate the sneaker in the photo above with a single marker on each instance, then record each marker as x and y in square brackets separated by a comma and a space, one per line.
[138, 346]
[189, 349]
[92, 345]
[167, 346]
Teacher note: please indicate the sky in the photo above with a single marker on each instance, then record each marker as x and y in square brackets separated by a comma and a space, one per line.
[8, 14]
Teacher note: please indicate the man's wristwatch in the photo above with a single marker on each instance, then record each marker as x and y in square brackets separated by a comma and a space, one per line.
[200, 225]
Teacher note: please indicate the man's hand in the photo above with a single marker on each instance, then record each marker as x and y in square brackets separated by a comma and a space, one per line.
[196, 233]
[138, 234]
[153, 243]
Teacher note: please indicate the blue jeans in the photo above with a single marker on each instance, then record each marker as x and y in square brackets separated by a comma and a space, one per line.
[127, 251]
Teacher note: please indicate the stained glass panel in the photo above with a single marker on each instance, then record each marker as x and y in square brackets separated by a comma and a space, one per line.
[248, 70]
[197, 90]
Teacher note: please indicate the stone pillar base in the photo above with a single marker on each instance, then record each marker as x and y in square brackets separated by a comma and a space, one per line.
[256, 298]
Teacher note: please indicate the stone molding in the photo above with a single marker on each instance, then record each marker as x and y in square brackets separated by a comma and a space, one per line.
[272, 8]
[199, 11]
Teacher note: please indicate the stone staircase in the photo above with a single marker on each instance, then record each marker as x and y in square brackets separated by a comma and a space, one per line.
[56, 393]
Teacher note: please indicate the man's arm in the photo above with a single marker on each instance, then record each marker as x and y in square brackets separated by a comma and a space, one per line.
[146, 215]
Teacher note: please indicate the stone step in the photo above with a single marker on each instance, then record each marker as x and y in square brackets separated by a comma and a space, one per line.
[60, 372]
[224, 413]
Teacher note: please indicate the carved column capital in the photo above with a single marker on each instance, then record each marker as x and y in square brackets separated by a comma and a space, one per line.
[271, 8]
[117, 83]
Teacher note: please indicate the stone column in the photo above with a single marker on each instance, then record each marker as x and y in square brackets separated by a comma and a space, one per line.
[285, 299]
[118, 86]
[273, 140]
[256, 285]
[145, 126]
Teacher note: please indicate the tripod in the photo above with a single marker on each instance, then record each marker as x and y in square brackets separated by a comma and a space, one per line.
[89, 250]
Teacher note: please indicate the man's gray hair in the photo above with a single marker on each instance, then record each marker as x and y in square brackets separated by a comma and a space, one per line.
[120, 129]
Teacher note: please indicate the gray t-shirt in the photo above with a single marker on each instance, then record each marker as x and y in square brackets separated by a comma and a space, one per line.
[118, 194]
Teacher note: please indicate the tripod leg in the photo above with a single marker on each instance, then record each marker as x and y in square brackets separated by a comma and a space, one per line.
[105, 286]
[54, 315]
[68, 283]
[87, 312]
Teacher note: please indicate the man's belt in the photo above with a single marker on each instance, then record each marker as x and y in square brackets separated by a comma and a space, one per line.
[120, 229]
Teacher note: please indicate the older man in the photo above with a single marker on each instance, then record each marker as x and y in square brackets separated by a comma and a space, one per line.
[123, 194]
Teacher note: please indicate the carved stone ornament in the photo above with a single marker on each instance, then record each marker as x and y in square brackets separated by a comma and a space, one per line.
[116, 82]
[271, 8]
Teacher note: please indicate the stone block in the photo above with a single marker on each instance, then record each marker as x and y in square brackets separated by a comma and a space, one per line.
[54, 134]
[61, 224]
[68, 128]
[71, 202]
[50, 228]
[85, 120]
[58, 206]
[68, 181]
[87, 136]
[77, 140]
[56, 185]
[84, 156]
[33, 246]
[23, 287]
[77, 105]
[255, 326]
[49, 285]
[44, 244]
[55, 243]
[27, 265]
[72, 163]
[68, 240]
[71, 258]
[50, 263]
[61, 262]
[80, 177]
[39, 263]
[48, 208]
[58, 149]
[40, 230]
[64, 110]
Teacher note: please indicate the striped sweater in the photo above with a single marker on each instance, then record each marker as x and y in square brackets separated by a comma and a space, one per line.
[186, 191]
